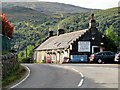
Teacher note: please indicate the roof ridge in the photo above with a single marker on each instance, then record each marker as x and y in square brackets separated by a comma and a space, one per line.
[61, 41]
[77, 37]
[74, 31]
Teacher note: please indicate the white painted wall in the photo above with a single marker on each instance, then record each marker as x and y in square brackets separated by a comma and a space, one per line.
[58, 56]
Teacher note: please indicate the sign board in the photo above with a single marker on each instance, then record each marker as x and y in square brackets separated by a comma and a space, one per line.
[79, 58]
[84, 46]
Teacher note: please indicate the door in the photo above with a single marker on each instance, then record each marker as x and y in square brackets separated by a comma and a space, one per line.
[95, 49]
[109, 57]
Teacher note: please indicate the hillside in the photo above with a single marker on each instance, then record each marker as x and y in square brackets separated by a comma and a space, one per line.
[104, 19]
[49, 7]
[18, 13]
[32, 25]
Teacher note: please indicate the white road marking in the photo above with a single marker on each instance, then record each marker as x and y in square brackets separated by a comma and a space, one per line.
[81, 75]
[67, 67]
[75, 70]
[23, 79]
[81, 81]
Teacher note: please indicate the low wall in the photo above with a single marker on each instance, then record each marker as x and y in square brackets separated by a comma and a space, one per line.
[9, 63]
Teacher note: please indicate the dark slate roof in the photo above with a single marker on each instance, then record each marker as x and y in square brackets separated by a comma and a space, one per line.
[61, 41]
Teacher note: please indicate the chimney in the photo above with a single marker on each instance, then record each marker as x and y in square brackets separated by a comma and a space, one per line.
[50, 34]
[60, 31]
[92, 23]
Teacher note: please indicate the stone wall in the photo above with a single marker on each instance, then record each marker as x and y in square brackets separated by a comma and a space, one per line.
[9, 63]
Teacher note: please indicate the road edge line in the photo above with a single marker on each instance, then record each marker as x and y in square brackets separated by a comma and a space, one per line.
[81, 81]
[23, 79]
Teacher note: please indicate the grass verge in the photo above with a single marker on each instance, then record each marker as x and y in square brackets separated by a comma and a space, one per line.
[13, 76]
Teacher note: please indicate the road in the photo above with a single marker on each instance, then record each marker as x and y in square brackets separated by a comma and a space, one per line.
[48, 76]
[68, 76]
[98, 75]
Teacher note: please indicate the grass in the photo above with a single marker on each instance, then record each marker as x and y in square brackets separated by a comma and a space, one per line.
[13, 76]
[0, 82]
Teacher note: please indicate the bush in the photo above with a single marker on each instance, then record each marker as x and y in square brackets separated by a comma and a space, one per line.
[26, 60]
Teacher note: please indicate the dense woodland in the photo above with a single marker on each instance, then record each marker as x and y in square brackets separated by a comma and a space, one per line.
[33, 23]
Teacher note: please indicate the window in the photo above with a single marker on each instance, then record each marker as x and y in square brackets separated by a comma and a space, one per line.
[101, 53]
[108, 53]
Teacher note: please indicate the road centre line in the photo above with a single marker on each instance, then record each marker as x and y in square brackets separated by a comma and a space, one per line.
[81, 81]
[66, 67]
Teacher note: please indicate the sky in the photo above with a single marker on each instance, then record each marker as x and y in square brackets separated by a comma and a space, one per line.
[94, 4]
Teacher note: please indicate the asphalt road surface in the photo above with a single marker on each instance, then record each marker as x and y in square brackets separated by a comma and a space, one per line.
[48, 76]
[98, 75]
[69, 76]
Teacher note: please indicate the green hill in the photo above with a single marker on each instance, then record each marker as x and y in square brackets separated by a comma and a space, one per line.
[18, 13]
[104, 19]
[50, 7]
[32, 25]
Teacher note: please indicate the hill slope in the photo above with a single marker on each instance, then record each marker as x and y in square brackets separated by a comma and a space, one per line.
[18, 13]
[32, 25]
[50, 7]
[104, 19]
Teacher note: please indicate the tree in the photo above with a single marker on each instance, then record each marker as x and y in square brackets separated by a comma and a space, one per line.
[20, 56]
[113, 40]
[30, 50]
[111, 34]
